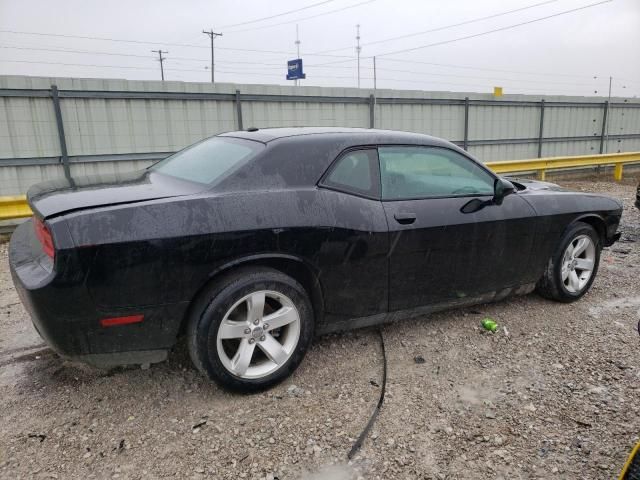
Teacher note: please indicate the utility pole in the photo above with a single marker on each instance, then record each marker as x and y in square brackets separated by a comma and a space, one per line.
[162, 59]
[375, 83]
[358, 49]
[212, 36]
[297, 47]
[375, 92]
[606, 135]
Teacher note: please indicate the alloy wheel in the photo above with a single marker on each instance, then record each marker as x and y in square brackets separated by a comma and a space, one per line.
[578, 262]
[265, 319]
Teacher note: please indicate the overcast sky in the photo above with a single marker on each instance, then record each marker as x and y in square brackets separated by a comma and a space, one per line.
[558, 55]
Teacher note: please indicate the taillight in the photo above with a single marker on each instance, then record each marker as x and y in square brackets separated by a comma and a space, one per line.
[44, 235]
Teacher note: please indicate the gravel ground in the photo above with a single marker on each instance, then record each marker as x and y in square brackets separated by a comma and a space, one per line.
[553, 394]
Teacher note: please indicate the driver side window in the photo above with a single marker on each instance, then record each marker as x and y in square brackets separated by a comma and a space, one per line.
[417, 172]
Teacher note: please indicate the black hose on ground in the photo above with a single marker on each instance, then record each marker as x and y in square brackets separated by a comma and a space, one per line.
[360, 440]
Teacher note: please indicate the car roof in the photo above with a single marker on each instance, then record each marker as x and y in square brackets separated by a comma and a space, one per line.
[365, 135]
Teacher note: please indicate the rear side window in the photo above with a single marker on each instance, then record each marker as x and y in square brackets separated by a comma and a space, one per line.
[356, 172]
[209, 161]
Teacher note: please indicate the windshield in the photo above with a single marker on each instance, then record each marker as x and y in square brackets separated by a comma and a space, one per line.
[209, 161]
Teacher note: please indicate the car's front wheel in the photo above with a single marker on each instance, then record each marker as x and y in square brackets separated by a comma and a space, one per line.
[251, 329]
[573, 267]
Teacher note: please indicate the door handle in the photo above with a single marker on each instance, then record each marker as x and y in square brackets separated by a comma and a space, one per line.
[405, 218]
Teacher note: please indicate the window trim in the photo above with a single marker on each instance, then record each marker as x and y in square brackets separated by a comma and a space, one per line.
[427, 197]
[375, 175]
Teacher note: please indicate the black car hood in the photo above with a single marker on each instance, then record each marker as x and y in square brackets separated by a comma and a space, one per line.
[527, 184]
[538, 188]
[56, 197]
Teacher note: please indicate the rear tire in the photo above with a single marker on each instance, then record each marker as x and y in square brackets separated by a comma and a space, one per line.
[572, 268]
[250, 329]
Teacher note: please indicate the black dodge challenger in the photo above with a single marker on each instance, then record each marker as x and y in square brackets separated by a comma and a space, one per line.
[249, 242]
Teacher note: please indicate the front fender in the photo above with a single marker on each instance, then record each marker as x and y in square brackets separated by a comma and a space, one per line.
[605, 225]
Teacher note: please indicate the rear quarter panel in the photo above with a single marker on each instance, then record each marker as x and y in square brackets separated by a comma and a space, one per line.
[163, 252]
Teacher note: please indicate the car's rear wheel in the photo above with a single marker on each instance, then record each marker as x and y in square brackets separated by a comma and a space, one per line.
[250, 329]
[573, 267]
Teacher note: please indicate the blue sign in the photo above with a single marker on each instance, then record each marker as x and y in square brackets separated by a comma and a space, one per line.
[294, 69]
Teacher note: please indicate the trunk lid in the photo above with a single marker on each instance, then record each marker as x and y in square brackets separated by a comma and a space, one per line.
[60, 196]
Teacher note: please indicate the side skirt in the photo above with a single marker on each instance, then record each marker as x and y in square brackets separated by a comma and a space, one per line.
[334, 323]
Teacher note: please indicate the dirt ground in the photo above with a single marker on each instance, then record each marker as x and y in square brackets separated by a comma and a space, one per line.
[553, 394]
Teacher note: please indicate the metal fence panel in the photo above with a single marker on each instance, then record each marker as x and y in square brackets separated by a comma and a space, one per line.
[490, 122]
[623, 121]
[99, 126]
[27, 128]
[573, 121]
[488, 153]
[446, 121]
[559, 149]
[623, 145]
[110, 125]
[285, 114]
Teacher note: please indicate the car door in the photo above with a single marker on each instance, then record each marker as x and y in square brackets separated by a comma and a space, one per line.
[437, 252]
[353, 258]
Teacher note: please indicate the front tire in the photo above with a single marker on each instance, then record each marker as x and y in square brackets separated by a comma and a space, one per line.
[250, 329]
[573, 267]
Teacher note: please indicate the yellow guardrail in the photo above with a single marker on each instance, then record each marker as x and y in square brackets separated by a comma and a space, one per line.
[17, 207]
[541, 165]
[14, 207]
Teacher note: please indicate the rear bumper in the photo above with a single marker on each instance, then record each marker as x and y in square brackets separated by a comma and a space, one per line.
[68, 320]
[34, 277]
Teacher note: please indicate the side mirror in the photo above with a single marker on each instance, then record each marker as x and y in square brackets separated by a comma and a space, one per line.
[502, 188]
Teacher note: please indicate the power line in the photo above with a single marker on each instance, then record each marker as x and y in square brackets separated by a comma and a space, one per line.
[129, 67]
[88, 52]
[487, 32]
[467, 67]
[371, 78]
[625, 80]
[349, 58]
[345, 77]
[306, 18]
[85, 37]
[498, 79]
[97, 52]
[144, 42]
[321, 65]
[445, 27]
[278, 14]
[257, 73]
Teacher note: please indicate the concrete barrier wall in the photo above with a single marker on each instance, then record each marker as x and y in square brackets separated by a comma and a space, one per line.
[117, 125]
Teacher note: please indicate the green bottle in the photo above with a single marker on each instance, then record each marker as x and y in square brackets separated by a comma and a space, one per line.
[489, 324]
